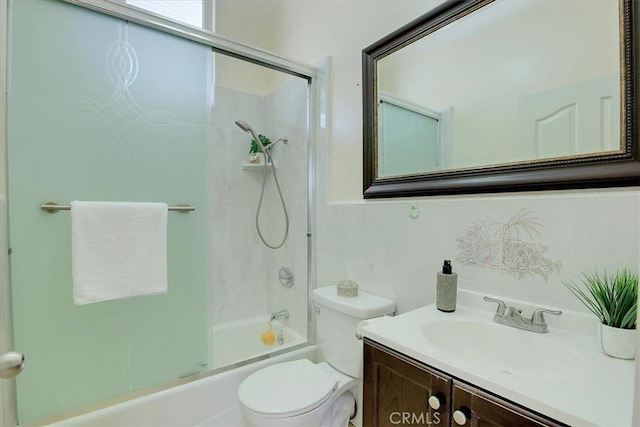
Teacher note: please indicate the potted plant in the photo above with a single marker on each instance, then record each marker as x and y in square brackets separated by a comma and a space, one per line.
[614, 300]
[254, 149]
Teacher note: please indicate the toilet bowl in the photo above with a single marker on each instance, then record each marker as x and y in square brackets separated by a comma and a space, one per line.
[301, 393]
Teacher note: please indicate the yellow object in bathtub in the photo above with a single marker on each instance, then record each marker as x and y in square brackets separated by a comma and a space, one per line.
[268, 337]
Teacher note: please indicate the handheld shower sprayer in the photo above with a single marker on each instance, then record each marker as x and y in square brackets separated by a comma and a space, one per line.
[245, 127]
[266, 152]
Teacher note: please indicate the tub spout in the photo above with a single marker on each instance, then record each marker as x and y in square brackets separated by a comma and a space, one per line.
[282, 314]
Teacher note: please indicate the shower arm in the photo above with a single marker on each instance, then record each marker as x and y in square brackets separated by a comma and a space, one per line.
[270, 146]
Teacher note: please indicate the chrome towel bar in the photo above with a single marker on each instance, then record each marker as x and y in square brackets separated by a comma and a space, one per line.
[53, 207]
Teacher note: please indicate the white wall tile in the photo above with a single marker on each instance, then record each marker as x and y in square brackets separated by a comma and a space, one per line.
[580, 230]
[330, 269]
[409, 289]
[605, 233]
[239, 261]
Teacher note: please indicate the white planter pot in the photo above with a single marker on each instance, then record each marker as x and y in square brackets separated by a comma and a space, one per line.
[619, 343]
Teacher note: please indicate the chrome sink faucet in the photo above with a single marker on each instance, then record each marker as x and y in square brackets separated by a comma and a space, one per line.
[511, 316]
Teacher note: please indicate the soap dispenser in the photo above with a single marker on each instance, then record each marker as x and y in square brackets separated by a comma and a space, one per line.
[446, 288]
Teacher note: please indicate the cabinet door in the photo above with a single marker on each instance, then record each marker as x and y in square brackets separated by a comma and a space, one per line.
[397, 390]
[477, 408]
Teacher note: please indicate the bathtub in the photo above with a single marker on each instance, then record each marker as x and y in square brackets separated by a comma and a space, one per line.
[238, 341]
[206, 402]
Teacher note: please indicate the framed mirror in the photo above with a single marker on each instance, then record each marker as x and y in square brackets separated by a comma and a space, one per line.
[484, 96]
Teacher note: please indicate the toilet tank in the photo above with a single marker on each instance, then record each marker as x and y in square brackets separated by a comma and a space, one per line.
[337, 320]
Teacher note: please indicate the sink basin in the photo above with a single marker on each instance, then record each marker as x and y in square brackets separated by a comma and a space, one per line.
[562, 374]
[507, 350]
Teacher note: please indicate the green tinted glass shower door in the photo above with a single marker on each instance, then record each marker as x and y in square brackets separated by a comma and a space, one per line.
[102, 109]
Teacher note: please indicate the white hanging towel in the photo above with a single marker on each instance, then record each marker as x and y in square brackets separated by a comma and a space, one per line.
[118, 250]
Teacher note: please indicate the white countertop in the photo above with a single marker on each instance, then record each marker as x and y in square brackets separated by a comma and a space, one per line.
[595, 391]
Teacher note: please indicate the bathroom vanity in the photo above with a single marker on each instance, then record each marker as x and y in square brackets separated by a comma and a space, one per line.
[398, 389]
[426, 367]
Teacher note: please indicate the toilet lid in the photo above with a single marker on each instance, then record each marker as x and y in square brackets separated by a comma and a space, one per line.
[286, 389]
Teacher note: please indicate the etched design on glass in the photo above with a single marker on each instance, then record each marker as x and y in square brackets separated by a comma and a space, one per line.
[509, 246]
[120, 110]
[123, 63]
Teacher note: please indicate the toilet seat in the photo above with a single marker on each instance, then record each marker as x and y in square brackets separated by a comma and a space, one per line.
[286, 389]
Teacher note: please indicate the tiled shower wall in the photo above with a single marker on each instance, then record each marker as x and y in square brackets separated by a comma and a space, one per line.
[286, 115]
[245, 272]
[239, 259]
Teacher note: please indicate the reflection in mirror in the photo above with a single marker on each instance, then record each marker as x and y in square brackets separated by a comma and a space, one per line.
[521, 81]
[500, 90]
[411, 138]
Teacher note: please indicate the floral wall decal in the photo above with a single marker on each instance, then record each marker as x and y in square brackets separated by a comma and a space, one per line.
[509, 246]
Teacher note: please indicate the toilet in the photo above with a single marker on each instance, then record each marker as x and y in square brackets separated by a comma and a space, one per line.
[301, 393]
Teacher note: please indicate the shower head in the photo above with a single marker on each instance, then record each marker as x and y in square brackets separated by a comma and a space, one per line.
[245, 127]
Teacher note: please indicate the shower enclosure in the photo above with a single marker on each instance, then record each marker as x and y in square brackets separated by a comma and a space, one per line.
[115, 104]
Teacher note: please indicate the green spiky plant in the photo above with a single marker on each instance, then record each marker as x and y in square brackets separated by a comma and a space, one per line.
[613, 299]
[254, 145]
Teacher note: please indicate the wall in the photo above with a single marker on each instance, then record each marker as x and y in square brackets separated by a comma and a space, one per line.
[242, 264]
[377, 243]
[393, 255]
[309, 31]
[286, 114]
[263, 23]
[238, 258]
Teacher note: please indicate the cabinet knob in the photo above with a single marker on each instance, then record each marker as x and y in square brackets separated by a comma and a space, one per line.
[435, 401]
[460, 416]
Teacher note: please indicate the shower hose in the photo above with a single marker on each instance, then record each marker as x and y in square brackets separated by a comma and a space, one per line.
[268, 160]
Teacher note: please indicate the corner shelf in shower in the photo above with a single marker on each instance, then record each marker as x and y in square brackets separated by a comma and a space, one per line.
[252, 166]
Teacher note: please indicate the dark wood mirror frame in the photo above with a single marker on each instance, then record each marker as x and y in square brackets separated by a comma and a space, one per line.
[608, 170]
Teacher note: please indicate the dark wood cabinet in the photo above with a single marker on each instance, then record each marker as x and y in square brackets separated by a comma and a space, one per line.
[397, 390]
[481, 409]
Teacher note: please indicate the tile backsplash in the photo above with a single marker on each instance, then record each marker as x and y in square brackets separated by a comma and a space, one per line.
[517, 245]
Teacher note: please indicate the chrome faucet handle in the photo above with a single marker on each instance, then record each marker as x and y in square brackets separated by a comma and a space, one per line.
[501, 305]
[538, 316]
[511, 311]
